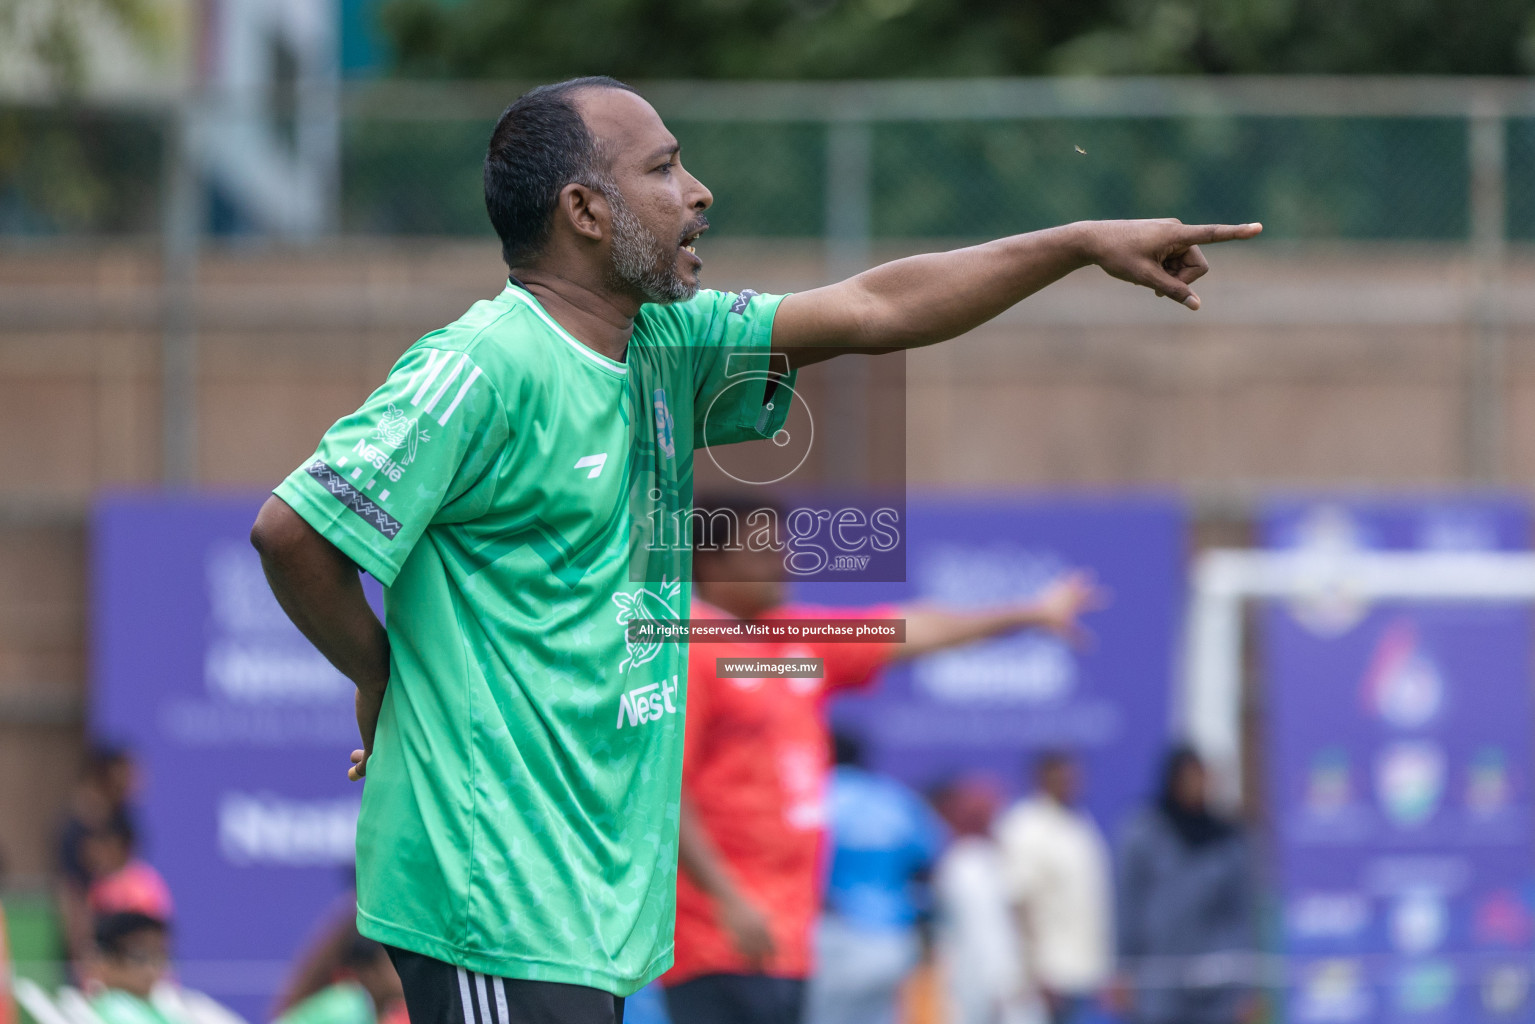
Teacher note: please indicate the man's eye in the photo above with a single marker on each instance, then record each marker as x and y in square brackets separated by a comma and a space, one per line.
[665, 168]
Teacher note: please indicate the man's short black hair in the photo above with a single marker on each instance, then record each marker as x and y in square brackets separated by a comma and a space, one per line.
[112, 930]
[540, 145]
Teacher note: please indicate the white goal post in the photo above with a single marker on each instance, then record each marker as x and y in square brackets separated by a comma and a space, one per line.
[1209, 706]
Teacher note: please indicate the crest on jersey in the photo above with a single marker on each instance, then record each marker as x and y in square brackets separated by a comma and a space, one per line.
[644, 604]
[665, 434]
[398, 431]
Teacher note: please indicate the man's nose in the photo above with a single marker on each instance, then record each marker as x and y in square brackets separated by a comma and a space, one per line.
[700, 198]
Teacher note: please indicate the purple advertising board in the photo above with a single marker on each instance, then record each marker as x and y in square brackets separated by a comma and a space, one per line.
[241, 729]
[1398, 774]
[990, 707]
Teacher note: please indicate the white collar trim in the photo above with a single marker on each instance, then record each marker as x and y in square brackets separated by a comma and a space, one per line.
[611, 365]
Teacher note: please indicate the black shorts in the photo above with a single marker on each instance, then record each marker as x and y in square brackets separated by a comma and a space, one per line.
[735, 999]
[440, 993]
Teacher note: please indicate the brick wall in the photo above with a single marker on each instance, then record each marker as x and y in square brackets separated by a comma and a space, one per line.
[1329, 367]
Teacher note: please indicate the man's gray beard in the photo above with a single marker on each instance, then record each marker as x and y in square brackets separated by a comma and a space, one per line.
[641, 262]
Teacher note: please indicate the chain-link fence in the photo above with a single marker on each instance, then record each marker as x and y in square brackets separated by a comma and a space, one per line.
[1448, 163]
[1305, 178]
[1367, 160]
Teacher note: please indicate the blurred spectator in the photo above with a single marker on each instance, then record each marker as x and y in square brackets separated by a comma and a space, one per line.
[342, 977]
[884, 841]
[129, 976]
[1185, 907]
[979, 950]
[98, 805]
[122, 881]
[363, 988]
[647, 1006]
[99, 802]
[754, 782]
[134, 955]
[319, 963]
[1059, 877]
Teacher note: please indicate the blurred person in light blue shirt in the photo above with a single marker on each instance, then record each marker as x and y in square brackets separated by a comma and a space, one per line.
[884, 840]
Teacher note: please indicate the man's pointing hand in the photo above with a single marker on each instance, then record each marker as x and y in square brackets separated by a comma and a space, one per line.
[1162, 255]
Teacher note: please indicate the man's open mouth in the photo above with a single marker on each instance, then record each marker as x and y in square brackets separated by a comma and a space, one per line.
[691, 237]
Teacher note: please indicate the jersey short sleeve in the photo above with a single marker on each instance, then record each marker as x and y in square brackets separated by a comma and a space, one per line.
[740, 393]
[407, 458]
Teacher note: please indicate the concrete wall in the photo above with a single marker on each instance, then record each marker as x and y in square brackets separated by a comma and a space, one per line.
[1308, 367]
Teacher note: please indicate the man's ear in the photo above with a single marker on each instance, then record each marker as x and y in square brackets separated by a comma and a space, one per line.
[585, 210]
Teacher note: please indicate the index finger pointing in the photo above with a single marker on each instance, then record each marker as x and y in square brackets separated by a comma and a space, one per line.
[1204, 234]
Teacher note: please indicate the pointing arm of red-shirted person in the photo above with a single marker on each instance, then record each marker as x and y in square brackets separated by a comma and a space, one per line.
[1058, 608]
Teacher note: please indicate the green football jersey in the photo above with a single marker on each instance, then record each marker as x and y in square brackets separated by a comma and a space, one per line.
[520, 812]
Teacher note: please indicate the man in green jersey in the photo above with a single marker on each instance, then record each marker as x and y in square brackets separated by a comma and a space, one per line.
[517, 847]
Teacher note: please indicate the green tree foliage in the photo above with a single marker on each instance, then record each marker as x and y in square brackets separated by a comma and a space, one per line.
[62, 166]
[831, 39]
[51, 33]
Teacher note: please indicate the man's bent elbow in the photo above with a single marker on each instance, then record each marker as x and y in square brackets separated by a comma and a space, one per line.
[274, 528]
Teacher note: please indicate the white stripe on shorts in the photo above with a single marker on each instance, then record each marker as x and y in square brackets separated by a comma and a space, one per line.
[479, 987]
[464, 996]
[500, 987]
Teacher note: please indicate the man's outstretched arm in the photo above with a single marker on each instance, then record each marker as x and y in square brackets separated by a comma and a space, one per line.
[926, 299]
[319, 588]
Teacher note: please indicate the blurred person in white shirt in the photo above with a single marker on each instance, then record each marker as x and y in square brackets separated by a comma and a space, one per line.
[1060, 879]
[980, 954]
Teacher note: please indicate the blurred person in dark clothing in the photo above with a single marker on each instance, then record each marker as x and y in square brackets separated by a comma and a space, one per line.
[1185, 907]
[100, 801]
[122, 881]
[99, 806]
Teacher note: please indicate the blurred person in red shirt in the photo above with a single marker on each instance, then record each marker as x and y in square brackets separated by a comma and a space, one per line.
[756, 763]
